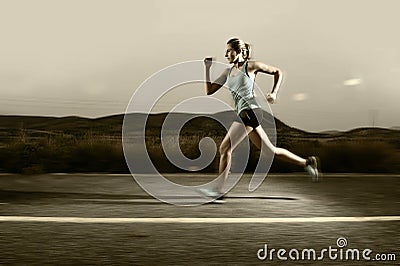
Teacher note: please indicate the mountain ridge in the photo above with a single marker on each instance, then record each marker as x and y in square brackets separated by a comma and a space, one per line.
[113, 123]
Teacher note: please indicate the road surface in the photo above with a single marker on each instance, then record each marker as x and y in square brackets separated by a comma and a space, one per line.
[109, 220]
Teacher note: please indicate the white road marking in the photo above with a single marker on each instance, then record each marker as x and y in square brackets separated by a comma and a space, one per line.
[217, 220]
[119, 200]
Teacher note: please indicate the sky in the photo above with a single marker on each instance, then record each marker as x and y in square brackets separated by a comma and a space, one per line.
[341, 59]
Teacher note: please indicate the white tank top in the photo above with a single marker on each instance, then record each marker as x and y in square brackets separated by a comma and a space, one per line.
[241, 87]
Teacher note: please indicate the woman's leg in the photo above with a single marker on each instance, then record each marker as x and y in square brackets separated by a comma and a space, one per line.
[236, 133]
[260, 139]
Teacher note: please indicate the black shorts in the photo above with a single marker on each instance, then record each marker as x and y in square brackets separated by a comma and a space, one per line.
[251, 117]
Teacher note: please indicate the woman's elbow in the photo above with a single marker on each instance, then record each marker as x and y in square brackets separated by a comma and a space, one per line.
[212, 89]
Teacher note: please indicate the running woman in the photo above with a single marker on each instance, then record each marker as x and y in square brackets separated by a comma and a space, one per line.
[240, 81]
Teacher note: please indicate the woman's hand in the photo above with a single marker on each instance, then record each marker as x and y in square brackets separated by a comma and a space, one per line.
[271, 98]
[208, 62]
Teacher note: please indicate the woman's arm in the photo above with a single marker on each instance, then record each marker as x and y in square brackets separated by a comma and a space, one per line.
[256, 67]
[212, 87]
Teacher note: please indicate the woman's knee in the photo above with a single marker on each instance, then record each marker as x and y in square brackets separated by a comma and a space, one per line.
[225, 148]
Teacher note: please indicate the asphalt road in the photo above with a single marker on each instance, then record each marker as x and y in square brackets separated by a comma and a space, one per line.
[209, 240]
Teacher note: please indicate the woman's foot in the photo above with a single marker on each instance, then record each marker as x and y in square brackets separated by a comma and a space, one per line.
[212, 193]
[312, 167]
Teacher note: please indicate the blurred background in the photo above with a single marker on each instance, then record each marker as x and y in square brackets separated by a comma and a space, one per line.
[341, 59]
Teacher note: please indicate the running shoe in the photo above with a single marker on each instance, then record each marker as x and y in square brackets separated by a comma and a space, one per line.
[211, 193]
[312, 168]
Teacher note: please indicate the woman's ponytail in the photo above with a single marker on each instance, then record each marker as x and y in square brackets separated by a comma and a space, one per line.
[248, 50]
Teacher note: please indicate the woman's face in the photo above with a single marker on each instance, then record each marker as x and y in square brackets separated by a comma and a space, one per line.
[230, 54]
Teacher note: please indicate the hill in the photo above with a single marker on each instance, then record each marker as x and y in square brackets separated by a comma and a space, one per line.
[112, 125]
[33, 144]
